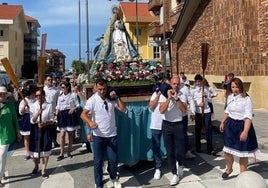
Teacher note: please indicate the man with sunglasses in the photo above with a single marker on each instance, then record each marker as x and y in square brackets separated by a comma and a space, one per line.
[101, 107]
[52, 94]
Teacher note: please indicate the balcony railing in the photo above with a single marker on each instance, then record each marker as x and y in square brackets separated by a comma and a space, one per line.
[175, 14]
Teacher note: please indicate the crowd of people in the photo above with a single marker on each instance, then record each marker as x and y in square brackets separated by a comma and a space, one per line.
[61, 106]
[170, 104]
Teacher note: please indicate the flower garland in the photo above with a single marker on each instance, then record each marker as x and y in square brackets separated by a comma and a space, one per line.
[134, 71]
[124, 73]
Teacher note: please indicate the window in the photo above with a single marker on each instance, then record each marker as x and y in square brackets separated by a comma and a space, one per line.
[137, 31]
[1, 32]
[157, 52]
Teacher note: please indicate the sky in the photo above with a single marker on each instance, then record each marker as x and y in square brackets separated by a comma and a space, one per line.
[59, 20]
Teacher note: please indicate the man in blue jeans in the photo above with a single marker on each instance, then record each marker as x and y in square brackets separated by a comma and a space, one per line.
[156, 128]
[102, 121]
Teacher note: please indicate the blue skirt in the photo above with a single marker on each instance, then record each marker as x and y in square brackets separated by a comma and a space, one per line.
[25, 124]
[233, 145]
[45, 141]
[67, 122]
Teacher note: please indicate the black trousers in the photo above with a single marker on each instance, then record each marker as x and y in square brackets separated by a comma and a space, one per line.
[174, 143]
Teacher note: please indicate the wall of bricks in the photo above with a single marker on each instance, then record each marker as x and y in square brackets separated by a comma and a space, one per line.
[237, 32]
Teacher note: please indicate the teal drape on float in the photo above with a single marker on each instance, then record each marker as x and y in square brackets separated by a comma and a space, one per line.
[134, 134]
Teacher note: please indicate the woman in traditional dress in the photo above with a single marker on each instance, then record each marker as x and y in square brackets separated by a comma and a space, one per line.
[42, 116]
[25, 122]
[239, 135]
[65, 111]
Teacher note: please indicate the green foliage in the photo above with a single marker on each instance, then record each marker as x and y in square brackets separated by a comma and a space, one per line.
[81, 67]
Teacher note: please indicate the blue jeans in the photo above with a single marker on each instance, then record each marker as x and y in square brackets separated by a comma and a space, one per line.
[101, 145]
[156, 145]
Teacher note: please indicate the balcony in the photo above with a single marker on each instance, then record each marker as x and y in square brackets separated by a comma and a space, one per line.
[174, 15]
[155, 29]
[30, 40]
[154, 5]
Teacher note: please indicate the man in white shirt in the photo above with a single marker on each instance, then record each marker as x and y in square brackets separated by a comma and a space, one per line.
[156, 129]
[102, 122]
[52, 94]
[186, 91]
[172, 106]
[202, 115]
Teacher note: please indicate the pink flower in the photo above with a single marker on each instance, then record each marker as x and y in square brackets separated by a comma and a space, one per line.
[147, 74]
[117, 76]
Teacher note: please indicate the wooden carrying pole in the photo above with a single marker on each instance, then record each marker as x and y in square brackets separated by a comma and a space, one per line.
[41, 78]
[41, 63]
[204, 54]
[11, 74]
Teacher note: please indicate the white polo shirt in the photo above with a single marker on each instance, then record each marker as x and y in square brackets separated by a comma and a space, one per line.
[173, 113]
[104, 118]
[156, 116]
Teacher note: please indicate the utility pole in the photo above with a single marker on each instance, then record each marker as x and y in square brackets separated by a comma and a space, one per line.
[137, 27]
[79, 30]
[164, 36]
[87, 19]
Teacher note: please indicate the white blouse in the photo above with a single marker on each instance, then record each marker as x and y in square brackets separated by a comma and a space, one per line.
[238, 107]
[66, 102]
[30, 103]
[47, 112]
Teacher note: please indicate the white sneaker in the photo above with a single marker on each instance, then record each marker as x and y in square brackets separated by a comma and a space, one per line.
[116, 183]
[84, 145]
[189, 155]
[175, 179]
[179, 170]
[157, 174]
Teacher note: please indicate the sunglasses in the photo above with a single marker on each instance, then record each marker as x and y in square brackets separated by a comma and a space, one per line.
[106, 105]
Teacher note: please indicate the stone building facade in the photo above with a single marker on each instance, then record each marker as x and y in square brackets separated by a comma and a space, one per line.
[237, 33]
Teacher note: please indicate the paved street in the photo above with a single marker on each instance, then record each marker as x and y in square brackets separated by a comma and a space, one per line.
[202, 172]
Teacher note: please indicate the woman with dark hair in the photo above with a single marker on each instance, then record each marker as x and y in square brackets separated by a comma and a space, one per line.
[65, 112]
[239, 135]
[25, 122]
[41, 114]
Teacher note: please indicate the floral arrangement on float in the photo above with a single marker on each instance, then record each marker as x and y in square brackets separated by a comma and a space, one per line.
[120, 73]
[82, 79]
[123, 73]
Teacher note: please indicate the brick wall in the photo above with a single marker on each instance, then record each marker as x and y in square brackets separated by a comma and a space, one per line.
[237, 32]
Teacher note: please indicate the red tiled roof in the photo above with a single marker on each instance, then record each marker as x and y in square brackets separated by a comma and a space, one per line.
[10, 11]
[129, 10]
[31, 19]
